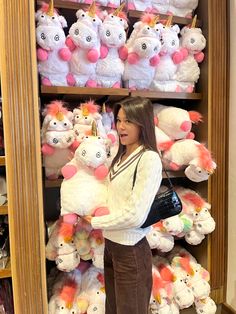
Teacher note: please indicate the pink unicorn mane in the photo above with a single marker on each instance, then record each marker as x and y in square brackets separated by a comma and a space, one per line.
[157, 284]
[66, 231]
[45, 7]
[195, 116]
[68, 292]
[54, 108]
[90, 106]
[147, 18]
[166, 273]
[122, 15]
[185, 264]
[195, 199]
[205, 158]
[100, 278]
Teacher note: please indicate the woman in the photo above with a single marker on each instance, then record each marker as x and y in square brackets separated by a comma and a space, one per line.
[127, 256]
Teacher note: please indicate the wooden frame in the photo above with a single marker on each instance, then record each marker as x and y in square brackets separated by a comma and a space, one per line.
[23, 159]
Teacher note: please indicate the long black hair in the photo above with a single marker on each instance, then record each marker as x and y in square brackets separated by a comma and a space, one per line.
[139, 111]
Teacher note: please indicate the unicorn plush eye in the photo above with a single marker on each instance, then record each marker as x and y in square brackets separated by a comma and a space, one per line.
[120, 36]
[56, 37]
[94, 20]
[89, 38]
[192, 40]
[98, 155]
[76, 31]
[108, 33]
[42, 16]
[43, 36]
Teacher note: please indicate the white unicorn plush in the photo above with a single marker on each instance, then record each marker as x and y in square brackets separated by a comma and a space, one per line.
[169, 58]
[192, 154]
[58, 140]
[140, 5]
[183, 8]
[205, 306]
[143, 53]
[84, 188]
[84, 44]
[52, 53]
[113, 52]
[188, 72]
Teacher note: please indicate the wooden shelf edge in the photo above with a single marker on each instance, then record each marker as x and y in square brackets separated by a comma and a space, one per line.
[2, 161]
[4, 209]
[68, 90]
[166, 95]
[122, 92]
[6, 272]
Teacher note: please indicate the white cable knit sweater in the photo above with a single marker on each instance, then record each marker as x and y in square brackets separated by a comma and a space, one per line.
[129, 208]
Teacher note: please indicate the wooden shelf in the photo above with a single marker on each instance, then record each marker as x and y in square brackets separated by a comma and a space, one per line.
[84, 92]
[114, 93]
[57, 183]
[65, 4]
[135, 15]
[2, 161]
[6, 272]
[4, 209]
[166, 95]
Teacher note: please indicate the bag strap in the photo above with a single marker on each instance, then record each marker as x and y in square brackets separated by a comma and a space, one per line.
[136, 168]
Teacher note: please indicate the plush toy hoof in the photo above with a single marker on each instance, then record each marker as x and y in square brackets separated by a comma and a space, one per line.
[70, 80]
[178, 89]
[91, 83]
[131, 6]
[70, 218]
[46, 82]
[116, 85]
[174, 166]
[101, 211]
[189, 89]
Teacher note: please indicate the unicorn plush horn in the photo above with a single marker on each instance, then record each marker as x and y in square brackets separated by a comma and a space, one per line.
[119, 9]
[169, 21]
[103, 108]
[92, 9]
[94, 129]
[50, 11]
[194, 21]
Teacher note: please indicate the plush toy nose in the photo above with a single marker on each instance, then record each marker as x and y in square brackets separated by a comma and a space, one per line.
[186, 126]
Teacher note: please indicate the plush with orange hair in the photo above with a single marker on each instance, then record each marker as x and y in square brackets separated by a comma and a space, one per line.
[58, 139]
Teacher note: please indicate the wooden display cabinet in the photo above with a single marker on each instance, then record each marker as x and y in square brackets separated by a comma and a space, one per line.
[22, 142]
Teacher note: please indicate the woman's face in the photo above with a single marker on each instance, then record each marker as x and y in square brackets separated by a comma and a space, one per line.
[129, 133]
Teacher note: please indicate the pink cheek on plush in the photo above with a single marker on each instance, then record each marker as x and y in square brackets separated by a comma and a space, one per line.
[186, 126]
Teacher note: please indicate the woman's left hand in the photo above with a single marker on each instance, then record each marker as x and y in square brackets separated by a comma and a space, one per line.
[88, 219]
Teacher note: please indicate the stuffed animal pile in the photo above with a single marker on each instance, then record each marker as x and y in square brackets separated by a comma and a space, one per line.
[154, 57]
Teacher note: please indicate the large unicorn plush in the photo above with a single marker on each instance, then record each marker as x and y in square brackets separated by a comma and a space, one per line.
[183, 8]
[192, 154]
[58, 140]
[52, 53]
[84, 44]
[160, 6]
[84, 188]
[113, 52]
[143, 53]
[188, 72]
[170, 56]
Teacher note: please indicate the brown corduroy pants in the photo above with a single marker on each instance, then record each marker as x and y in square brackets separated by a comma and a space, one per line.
[128, 277]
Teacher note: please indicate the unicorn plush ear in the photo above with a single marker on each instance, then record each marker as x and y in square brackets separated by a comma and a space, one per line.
[176, 28]
[79, 13]
[62, 21]
[214, 165]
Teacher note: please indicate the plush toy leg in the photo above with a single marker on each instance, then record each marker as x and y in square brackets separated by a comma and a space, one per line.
[174, 166]
[131, 6]
[101, 211]
[70, 218]
[91, 83]
[116, 85]
[178, 89]
[70, 79]
[46, 82]
[189, 89]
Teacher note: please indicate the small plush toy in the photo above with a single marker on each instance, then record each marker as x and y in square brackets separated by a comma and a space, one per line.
[170, 56]
[188, 72]
[61, 247]
[176, 122]
[205, 306]
[52, 53]
[81, 239]
[159, 239]
[97, 246]
[64, 300]
[143, 53]
[84, 44]
[84, 116]
[192, 154]
[183, 8]
[113, 52]
[84, 188]
[58, 139]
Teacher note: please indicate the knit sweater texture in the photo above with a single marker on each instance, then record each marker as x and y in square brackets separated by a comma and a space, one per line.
[129, 207]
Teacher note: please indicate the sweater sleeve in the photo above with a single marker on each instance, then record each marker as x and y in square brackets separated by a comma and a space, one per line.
[148, 180]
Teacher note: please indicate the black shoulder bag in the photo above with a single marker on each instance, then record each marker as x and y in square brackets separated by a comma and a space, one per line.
[165, 204]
